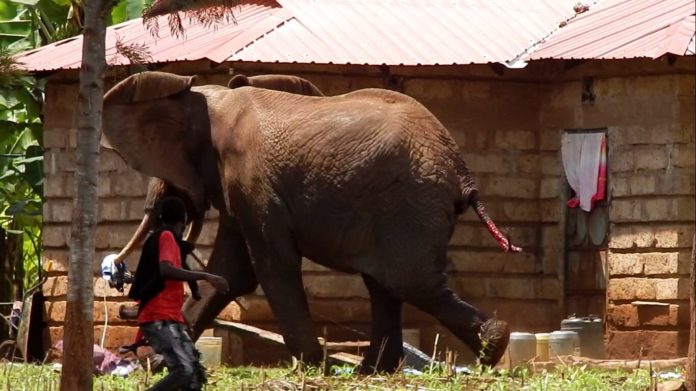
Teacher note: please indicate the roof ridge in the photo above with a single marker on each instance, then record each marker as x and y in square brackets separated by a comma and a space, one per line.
[519, 62]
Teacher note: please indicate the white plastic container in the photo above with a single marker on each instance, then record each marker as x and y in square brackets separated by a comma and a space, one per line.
[522, 348]
[563, 343]
[211, 350]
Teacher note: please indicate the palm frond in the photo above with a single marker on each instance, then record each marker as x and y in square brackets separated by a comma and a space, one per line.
[206, 12]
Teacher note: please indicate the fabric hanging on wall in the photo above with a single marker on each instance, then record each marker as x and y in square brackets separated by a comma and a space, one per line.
[584, 162]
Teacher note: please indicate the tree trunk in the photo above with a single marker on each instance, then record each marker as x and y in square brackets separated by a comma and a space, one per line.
[79, 328]
[691, 366]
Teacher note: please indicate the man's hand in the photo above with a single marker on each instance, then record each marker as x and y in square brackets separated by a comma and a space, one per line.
[219, 283]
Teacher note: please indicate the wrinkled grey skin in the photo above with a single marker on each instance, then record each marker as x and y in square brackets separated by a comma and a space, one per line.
[159, 189]
[368, 182]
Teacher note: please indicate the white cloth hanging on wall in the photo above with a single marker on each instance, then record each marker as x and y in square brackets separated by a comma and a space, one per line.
[581, 154]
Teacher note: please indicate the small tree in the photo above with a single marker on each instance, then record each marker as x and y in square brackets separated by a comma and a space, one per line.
[79, 323]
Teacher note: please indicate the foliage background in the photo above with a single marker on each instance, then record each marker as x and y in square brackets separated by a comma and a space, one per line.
[25, 25]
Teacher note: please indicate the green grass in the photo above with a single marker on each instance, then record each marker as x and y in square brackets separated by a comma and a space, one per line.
[44, 378]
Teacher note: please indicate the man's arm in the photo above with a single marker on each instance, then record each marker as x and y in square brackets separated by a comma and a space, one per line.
[171, 272]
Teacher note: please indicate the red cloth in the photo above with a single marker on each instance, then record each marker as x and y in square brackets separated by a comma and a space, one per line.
[167, 304]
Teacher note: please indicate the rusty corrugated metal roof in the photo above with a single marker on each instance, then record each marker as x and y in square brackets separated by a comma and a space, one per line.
[404, 32]
[407, 32]
[625, 29]
[251, 20]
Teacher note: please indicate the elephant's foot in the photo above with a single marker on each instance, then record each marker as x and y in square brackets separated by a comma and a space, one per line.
[494, 335]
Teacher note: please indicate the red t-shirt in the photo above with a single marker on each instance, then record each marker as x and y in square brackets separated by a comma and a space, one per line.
[167, 304]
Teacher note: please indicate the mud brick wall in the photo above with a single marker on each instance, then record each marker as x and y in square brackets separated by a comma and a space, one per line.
[509, 129]
[650, 124]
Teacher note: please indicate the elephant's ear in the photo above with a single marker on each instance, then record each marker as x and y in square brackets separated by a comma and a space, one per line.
[148, 86]
[238, 81]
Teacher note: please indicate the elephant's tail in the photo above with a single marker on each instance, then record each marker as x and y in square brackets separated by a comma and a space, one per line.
[499, 237]
[470, 197]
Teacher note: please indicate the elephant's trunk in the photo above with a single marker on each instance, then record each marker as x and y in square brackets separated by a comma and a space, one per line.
[499, 236]
[137, 238]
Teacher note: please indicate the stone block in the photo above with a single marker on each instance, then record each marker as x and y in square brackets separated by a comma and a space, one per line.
[683, 155]
[510, 187]
[625, 236]
[523, 288]
[523, 315]
[116, 336]
[515, 139]
[467, 287]
[54, 185]
[551, 187]
[521, 211]
[488, 163]
[631, 289]
[638, 184]
[656, 209]
[551, 165]
[54, 235]
[551, 210]
[61, 104]
[55, 137]
[668, 289]
[622, 316]
[625, 264]
[58, 257]
[652, 344]
[110, 161]
[676, 182]
[110, 210]
[625, 210]
[550, 140]
[651, 157]
[527, 164]
[57, 286]
[492, 262]
[58, 211]
[129, 183]
[621, 159]
[333, 286]
[635, 316]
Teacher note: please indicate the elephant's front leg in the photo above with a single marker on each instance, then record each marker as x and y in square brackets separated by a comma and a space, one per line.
[278, 266]
[229, 259]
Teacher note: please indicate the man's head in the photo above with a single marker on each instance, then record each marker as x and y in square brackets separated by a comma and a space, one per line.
[172, 211]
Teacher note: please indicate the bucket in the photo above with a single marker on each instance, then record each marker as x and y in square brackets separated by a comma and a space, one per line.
[563, 343]
[542, 346]
[591, 333]
[211, 350]
[522, 348]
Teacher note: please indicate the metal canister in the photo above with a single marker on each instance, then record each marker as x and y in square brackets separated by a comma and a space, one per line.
[590, 331]
[563, 343]
[522, 348]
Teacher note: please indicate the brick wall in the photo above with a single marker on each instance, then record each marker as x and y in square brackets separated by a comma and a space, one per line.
[650, 122]
[509, 130]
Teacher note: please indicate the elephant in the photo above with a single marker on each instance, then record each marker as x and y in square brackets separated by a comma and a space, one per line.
[159, 189]
[368, 182]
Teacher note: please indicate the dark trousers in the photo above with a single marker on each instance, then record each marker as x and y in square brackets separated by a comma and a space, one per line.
[171, 341]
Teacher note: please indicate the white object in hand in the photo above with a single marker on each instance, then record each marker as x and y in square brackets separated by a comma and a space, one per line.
[108, 266]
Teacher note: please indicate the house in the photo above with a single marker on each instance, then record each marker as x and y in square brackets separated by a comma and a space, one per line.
[513, 81]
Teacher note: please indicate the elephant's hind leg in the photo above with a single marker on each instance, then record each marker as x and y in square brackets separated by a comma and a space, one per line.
[386, 350]
[487, 338]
